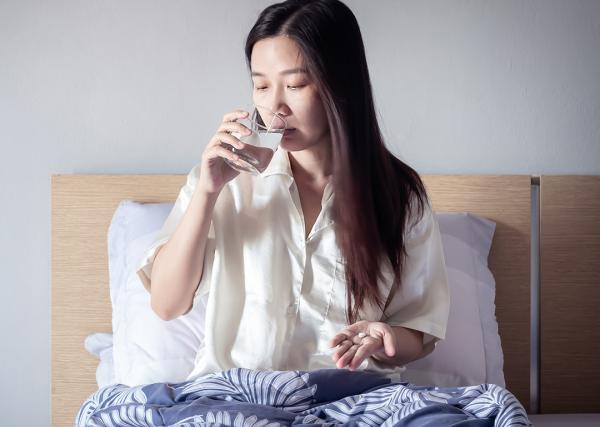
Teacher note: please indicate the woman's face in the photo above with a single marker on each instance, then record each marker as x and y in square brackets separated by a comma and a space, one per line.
[280, 84]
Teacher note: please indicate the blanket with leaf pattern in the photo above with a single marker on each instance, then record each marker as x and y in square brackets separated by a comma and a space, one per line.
[327, 397]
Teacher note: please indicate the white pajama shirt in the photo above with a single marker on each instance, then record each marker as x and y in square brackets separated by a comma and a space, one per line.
[275, 298]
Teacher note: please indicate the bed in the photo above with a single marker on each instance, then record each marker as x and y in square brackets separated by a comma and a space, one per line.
[545, 306]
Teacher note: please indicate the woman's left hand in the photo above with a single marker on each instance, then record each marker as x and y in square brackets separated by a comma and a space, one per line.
[362, 340]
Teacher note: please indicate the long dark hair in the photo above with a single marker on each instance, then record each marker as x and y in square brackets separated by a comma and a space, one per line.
[374, 192]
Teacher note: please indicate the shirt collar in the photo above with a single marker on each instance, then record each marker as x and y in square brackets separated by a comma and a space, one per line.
[280, 165]
[327, 193]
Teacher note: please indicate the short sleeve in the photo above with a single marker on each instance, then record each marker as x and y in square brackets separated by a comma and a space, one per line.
[422, 302]
[144, 267]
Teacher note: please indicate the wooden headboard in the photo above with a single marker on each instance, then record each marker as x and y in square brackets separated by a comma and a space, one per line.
[570, 293]
[82, 208]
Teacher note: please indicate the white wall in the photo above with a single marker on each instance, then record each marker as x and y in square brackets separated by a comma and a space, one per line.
[490, 87]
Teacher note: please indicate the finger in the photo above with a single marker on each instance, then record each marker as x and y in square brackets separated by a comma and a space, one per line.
[343, 348]
[228, 139]
[359, 339]
[339, 338]
[224, 153]
[356, 328]
[229, 127]
[349, 332]
[347, 356]
[362, 353]
[234, 115]
[389, 344]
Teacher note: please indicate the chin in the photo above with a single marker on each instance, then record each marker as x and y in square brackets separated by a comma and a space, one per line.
[290, 145]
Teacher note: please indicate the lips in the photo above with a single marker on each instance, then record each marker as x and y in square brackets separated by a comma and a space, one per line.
[289, 131]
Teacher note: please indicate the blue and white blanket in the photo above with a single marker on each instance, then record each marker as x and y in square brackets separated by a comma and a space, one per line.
[327, 397]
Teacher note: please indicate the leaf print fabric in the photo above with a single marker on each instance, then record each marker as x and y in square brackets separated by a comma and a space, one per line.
[326, 397]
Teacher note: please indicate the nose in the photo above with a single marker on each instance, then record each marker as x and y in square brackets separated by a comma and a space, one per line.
[278, 114]
[272, 118]
[273, 105]
[279, 117]
[281, 109]
[278, 103]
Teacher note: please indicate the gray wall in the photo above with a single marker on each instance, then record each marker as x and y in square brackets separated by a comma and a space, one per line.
[490, 87]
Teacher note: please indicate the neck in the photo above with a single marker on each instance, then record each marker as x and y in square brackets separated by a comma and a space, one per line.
[311, 165]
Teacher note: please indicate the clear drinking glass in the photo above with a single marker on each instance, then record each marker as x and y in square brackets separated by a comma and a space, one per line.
[267, 130]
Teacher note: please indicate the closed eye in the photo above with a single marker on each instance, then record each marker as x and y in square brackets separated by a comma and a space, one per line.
[289, 87]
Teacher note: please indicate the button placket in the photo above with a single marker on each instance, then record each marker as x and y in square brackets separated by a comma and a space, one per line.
[297, 283]
[296, 201]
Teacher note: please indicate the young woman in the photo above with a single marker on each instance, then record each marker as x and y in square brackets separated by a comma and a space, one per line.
[329, 258]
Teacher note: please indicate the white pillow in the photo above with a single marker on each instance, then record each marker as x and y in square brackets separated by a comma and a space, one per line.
[146, 348]
[130, 221]
[101, 345]
[471, 353]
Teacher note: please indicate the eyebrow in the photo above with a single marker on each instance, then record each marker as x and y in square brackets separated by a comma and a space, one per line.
[291, 71]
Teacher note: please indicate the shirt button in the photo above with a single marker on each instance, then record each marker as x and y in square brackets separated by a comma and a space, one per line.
[291, 309]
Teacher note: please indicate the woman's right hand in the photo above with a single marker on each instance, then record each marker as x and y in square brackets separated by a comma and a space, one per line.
[214, 171]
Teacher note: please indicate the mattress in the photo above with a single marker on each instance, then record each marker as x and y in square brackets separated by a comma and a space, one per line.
[565, 420]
